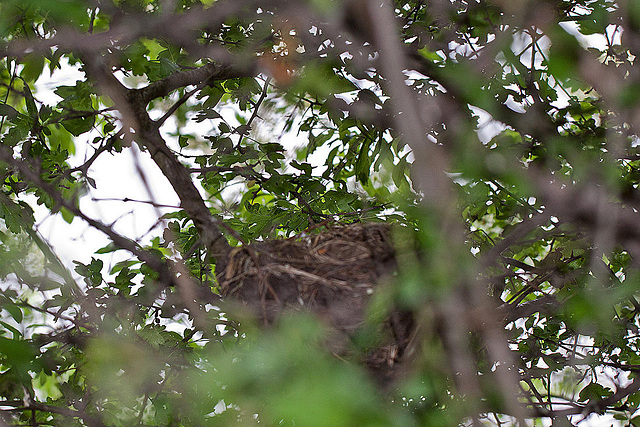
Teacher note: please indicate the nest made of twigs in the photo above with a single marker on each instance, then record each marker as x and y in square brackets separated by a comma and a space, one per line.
[332, 274]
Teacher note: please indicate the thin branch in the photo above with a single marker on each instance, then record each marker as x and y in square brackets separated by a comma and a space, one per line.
[87, 164]
[170, 27]
[68, 412]
[123, 242]
[127, 199]
[50, 256]
[592, 406]
[161, 88]
[178, 103]
[256, 107]
[55, 315]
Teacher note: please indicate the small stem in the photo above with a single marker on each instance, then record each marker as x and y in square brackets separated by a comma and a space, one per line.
[178, 103]
[6, 95]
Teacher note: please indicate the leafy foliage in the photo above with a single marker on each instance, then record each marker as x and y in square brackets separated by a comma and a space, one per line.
[498, 138]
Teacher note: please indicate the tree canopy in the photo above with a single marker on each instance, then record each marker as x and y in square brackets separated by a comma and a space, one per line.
[390, 212]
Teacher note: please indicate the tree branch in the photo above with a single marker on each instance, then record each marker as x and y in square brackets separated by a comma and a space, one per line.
[68, 412]
[29, 174]
[595, 406]
[206, 73]
[133, 105]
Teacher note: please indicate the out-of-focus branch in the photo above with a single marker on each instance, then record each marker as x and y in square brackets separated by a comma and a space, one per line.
[581, 206]
[468, 307]
[178, 28]
[431, 161]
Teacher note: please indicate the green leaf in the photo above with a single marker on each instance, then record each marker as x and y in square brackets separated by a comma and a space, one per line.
[111, 247]
[30, 101]
[8, 111]
[594, 391]
[77, 127]
[563, 57]
[183, 141]
[32, 69]
[304, 167]
[14, 311]
[16, 333]
[67, 215]
[19, 354]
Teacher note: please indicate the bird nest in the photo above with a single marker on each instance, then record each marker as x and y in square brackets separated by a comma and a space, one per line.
[332, 274]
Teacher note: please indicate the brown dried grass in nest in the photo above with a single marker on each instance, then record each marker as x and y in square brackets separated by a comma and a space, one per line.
[332, 274]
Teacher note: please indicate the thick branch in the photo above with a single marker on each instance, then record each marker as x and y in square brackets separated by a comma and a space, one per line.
[133, 106]
[190, 199]
[177, 80]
